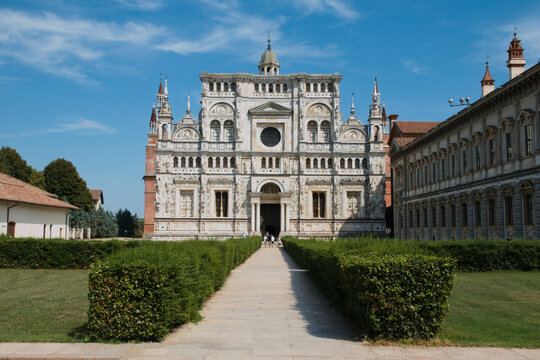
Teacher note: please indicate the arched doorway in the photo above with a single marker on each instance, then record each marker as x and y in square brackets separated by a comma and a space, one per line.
[11, 229]
[270, 209]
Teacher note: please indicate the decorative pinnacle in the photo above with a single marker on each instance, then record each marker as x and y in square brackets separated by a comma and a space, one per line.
[268, 31]
[352, 104]
[188, 111]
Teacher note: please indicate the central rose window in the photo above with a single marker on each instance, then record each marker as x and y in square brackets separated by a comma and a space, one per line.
[270, 136]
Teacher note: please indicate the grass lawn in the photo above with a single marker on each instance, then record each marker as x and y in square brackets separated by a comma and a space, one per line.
[494, 308]
[42, 305]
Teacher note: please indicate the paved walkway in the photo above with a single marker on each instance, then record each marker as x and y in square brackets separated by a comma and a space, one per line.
[268, 309]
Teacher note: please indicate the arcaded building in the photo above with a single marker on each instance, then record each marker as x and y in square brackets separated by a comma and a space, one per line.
[477, 174]
[268, 153]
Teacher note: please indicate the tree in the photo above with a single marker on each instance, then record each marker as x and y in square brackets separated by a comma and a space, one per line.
[62, 179]
[37, 179]
[102, 223]
[126, 222]
[12, 164]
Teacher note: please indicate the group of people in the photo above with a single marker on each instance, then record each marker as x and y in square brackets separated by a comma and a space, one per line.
[269, 240]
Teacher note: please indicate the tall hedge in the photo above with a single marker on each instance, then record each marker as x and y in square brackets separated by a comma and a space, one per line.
[33, 253]
[141, 294]
[387, 295]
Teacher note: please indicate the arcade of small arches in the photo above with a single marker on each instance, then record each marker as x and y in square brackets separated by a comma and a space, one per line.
[222, 130]
[319, 87]
[270, 162]
[271, 87]
[505, 211]
[223, 86]
[318, 132]
[187, 161]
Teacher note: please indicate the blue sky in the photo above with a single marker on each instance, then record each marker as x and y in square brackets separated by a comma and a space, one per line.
[78, 78]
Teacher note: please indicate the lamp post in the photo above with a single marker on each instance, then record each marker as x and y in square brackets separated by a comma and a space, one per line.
[463, 101]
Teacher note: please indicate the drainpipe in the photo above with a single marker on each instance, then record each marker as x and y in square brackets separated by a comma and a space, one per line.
[67, 228]
[7, 216]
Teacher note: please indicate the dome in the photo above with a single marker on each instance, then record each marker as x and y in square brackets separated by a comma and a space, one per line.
[269, 57]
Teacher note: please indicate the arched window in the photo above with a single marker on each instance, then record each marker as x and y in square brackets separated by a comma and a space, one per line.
[315, 163]
[210, 162]
[256, 87]
[284, 88]
[232, 163]
[323, 88]
[226, 87]
[222, 203]
[364, 164]
[211, 86]
[270, 188]
[229, 130]
[349, 164]
[330, 87]
[164, 132]
[357, 163]
[319, 204]
[329, 163]
[308, 163]
[183, 162]
[325, 131]
[218, 86]
[270, 163]
[323, 163]
[342, 163]
[308, 87]
[175, 162]
[312, 131]
[263, 163]
[190, 162]
[270, 88]
[225, 162]
[198, 162]
[263, 87]
[218, 162]
[215, 129]
[277, 163]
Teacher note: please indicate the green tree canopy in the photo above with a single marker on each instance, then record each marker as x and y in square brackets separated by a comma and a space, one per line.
[37, 179]
[126, 222]
[12, 164]
[62, 179]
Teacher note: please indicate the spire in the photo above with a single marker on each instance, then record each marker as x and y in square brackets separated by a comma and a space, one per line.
[352, 104]
[488, 83]
[375, 87]
[375, 107]
[166, 91]
[153, 118]
[269, 64]
[188, 110]
[160, 91]
[268, 47]
[352, 118]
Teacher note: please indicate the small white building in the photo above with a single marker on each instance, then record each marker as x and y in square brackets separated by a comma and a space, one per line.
[27, 211]
[97, 198]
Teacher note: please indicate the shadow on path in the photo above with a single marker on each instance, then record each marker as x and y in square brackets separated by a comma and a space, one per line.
[322, 319]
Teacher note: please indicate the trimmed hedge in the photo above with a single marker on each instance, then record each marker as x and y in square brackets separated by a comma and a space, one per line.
[141, 294]
[31, 253]
[488, 255]
[387, 295]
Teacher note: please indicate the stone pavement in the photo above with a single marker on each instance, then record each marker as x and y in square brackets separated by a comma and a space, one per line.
[268, 309]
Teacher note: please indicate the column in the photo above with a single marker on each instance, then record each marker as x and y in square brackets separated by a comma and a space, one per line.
[287, 219]
[282, 218]
[257, 217]
[253, 219]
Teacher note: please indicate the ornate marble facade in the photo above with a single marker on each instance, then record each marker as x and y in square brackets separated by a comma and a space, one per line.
[269, 152]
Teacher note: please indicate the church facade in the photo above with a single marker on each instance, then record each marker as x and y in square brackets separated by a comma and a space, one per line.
[269, 153]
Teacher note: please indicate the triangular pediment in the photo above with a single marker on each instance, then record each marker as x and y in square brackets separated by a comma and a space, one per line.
[270, 108]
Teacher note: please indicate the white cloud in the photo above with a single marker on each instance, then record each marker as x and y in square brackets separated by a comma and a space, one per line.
[142, 4]
[414, 67]
[80, 125]
[340, 8]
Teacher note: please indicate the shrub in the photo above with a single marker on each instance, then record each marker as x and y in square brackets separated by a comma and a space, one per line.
[33, 253]
[395, 292]
[141, 294]
[488, 255]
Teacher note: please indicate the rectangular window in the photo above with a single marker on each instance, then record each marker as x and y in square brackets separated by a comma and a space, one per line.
[417, 177]
[464, 215]
[465, 168]
[477, 213]
[528, 209]
[509, 210]
[453, 214]
[425, 218]
[492, 152]
[411, 223]
[443, 173]
[477, 156]
[508, 147]
[319, 204]
[410, 179]
[528, 140]
[443, 216]
[425, 175]
[491, 212]
[453, 165]
[433, 173]
[433, 217]
[417, 218]
[186, 203]
[222, 203]
[353, 204]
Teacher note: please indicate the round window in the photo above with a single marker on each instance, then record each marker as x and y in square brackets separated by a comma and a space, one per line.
[270, 136]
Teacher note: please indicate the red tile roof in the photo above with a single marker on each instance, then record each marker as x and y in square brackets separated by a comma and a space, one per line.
[404, 140]
[15, 190]
[415, 127]
[96, 194]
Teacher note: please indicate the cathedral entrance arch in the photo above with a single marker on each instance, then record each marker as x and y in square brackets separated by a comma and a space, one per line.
[270, 209]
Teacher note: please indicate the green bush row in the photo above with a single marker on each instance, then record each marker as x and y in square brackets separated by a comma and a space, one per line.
[488, 255]
[141, 294]
[31, 253]
[385, 295]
